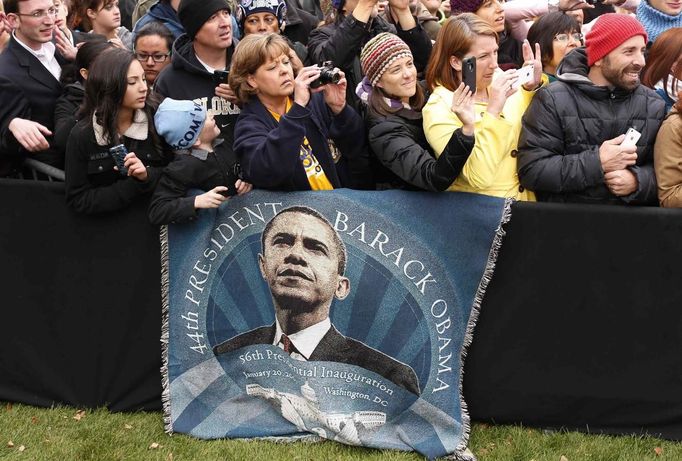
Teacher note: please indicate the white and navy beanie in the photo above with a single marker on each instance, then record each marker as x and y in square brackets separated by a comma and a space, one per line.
[246, 8]
[179, 122]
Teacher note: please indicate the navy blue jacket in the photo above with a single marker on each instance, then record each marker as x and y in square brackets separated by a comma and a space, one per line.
[269, 150]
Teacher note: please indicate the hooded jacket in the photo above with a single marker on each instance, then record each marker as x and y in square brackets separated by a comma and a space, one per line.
[165, 14]
[566, 124]
[187, 78]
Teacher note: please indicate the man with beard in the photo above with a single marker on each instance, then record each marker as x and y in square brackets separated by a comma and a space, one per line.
[303, 263]
[571, 146]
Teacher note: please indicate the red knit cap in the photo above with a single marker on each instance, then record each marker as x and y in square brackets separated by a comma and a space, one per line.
[609, 32]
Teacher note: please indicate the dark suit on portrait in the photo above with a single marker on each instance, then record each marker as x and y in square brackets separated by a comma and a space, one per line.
[29, 91]
[335, 347]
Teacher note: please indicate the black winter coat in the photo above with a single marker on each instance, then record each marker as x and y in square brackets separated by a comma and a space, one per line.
[65, 111]
[342, 41]
[566, 124]
[92, 184]
[399, 143]
[29, 91]
[269, 151]
[190, 171]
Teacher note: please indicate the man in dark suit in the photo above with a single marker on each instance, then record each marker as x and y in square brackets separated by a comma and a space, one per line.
[29, 85]
[303, 262]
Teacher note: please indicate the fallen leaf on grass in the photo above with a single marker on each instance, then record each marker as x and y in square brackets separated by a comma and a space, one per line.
[22, 448]
[170, 457]
[80, 414]
[10, 444]
[154, 446]
[34, 419]
[127, 426]
[563, 458]
[658, 451]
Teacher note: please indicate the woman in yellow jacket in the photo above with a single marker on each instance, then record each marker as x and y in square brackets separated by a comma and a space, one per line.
[499, 105]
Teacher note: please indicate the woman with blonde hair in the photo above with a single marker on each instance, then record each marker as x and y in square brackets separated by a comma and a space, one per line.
[283, 131]
[499, 105]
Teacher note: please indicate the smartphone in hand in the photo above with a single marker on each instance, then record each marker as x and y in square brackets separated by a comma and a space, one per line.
[469, 73]
[118, 153]
[631, 137]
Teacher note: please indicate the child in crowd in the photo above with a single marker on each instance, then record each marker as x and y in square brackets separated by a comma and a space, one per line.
[202, 161]
[103, 17]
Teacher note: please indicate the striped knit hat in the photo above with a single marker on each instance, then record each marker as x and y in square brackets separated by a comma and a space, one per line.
[379, 53]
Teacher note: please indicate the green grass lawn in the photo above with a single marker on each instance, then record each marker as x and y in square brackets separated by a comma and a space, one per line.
[65, 434]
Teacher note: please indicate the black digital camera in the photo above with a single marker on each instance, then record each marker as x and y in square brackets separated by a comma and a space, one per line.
[327, 75]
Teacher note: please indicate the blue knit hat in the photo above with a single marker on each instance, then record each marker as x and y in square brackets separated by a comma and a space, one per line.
[246, 8]
[179, 122]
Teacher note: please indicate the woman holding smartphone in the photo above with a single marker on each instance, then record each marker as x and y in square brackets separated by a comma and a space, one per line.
[499, 103]
[116, 112]
[395, 100]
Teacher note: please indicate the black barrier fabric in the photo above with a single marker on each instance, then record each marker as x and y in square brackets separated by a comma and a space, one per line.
[580, 326]
[81, 303]
[582, 323]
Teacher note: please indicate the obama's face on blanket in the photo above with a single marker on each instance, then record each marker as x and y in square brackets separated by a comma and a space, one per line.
[303, 262]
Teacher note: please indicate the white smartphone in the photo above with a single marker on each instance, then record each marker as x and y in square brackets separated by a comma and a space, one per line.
[631, 137]
[525, 75]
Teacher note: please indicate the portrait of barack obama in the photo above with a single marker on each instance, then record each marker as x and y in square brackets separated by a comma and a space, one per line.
[303, 261]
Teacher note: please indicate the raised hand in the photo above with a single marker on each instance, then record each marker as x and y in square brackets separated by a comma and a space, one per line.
[613, 156]
[536, 60]
[500, 89]
[335, 93]
[136, 168]
[305, 77]
[210, 199]
[463, 107]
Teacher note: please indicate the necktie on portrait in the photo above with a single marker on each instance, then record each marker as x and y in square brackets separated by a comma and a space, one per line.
[288, 345]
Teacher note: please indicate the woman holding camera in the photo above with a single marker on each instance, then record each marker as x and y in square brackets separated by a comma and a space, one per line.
[499, 105]
[281, 136]
[116, 111]
[395, 99]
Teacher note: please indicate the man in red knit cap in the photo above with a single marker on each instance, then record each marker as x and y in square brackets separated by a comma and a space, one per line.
[573, 146]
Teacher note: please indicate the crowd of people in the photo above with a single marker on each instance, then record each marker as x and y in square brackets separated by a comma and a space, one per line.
[549, 100]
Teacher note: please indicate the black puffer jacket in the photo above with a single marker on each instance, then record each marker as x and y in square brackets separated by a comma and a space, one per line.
[399, 143]
[566, 124]
[342, 41]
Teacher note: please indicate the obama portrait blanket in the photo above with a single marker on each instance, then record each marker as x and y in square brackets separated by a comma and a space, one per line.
[342, 315]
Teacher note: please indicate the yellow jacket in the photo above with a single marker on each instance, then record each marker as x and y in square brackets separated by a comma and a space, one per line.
[491, 167]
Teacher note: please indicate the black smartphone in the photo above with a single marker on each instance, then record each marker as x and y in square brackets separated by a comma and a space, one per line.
[118, 153]
[469, 73]
[220, 76]
[232, 177]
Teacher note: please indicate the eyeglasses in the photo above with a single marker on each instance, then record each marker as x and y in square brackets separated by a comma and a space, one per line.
[157, 57]
[563, 38]
[40, 14]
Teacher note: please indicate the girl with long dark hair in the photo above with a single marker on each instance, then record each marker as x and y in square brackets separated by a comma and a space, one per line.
[116, 111]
